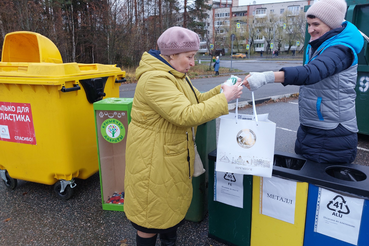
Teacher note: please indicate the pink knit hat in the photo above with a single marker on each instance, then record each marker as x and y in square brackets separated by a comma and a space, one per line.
[331, 12]
[177, 40]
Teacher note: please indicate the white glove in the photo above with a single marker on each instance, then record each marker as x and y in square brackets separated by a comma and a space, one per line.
[257, 80]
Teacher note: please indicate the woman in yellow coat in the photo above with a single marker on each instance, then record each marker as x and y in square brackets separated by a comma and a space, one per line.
[160, 148]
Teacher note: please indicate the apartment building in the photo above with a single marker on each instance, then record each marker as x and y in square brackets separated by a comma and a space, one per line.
[253, 26]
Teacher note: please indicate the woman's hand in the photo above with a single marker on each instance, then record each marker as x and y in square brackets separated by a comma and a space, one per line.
[234, 91]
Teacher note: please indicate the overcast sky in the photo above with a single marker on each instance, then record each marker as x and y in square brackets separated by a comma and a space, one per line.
[247, 2]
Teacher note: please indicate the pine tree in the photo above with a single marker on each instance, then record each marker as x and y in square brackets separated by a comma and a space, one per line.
[197, 16]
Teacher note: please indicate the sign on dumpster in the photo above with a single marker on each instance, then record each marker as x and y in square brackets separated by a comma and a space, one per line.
[228, 188]
[113, 130]
[338, 216]
[278, 198]
[16, 123]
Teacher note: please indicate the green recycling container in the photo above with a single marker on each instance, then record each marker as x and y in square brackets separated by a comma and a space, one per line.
[358, 14]
[112, 116]
[228, 224]
[206, 142]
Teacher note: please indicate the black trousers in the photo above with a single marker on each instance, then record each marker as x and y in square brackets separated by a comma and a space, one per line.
[166, 239]
[167, 236]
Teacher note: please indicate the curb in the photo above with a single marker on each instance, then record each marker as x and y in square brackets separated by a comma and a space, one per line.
[232, 106]
[220, 75]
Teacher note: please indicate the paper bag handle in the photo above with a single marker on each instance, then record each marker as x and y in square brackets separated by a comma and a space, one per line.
[253, 109]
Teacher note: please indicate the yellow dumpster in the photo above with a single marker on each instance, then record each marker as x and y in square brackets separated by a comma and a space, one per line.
[278, 212]
[47, 126]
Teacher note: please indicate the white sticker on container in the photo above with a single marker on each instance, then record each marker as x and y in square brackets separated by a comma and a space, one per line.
[4, 132]
[338, 216]
[228, 188]
[278, 198]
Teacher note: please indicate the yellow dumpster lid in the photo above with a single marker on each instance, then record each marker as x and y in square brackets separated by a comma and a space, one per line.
[23, 46]
[31, 58]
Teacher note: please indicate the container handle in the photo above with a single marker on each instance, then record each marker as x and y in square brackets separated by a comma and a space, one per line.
[120, 80]
[74, 88]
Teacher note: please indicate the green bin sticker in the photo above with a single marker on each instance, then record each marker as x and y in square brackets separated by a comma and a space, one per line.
[113, 130]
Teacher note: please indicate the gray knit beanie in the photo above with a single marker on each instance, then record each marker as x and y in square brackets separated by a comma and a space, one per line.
[331, 12]
[177, 40]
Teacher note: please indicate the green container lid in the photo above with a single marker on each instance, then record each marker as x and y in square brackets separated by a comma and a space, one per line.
[113, 103]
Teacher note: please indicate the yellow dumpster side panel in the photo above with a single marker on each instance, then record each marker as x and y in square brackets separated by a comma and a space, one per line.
[63, 122]
[266, 230]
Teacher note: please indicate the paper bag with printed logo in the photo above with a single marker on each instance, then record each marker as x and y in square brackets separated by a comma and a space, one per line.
[246, 145]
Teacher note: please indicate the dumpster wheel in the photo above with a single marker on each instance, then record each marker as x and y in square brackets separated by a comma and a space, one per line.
[64, 189]
[9, 182]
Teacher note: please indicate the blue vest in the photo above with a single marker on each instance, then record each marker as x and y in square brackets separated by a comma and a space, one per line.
[330, 101]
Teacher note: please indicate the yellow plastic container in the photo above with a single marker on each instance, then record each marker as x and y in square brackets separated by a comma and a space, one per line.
[266, 230]
[26, 46]
[46, 112]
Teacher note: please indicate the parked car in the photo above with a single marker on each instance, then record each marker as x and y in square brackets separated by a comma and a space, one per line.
[239, 55]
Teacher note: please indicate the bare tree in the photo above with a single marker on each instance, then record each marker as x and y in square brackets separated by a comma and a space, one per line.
[253, 32]
[269, 30]
[93, 31]
[294, 28]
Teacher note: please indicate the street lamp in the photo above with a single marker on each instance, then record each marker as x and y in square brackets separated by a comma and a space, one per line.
[232, 38]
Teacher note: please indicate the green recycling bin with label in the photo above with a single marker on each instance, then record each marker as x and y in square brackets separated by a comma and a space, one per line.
[112, 116]
[229, 223]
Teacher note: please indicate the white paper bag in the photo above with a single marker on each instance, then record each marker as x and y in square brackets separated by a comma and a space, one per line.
[246, 146]
[198, 165]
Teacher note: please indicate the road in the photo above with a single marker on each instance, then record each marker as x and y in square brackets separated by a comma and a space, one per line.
[127, 90]
[258, 65]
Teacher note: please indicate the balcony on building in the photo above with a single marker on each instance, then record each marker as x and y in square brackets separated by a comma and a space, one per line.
[203, 48]
[222, 4]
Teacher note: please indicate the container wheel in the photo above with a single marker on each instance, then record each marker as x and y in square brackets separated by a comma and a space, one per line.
[10, 183]
[66, 194]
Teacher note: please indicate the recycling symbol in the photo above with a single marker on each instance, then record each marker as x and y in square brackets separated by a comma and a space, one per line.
[364, 84]
[230, 177]
[338, 204]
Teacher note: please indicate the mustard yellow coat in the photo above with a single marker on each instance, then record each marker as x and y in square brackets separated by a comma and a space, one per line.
[158, 185]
